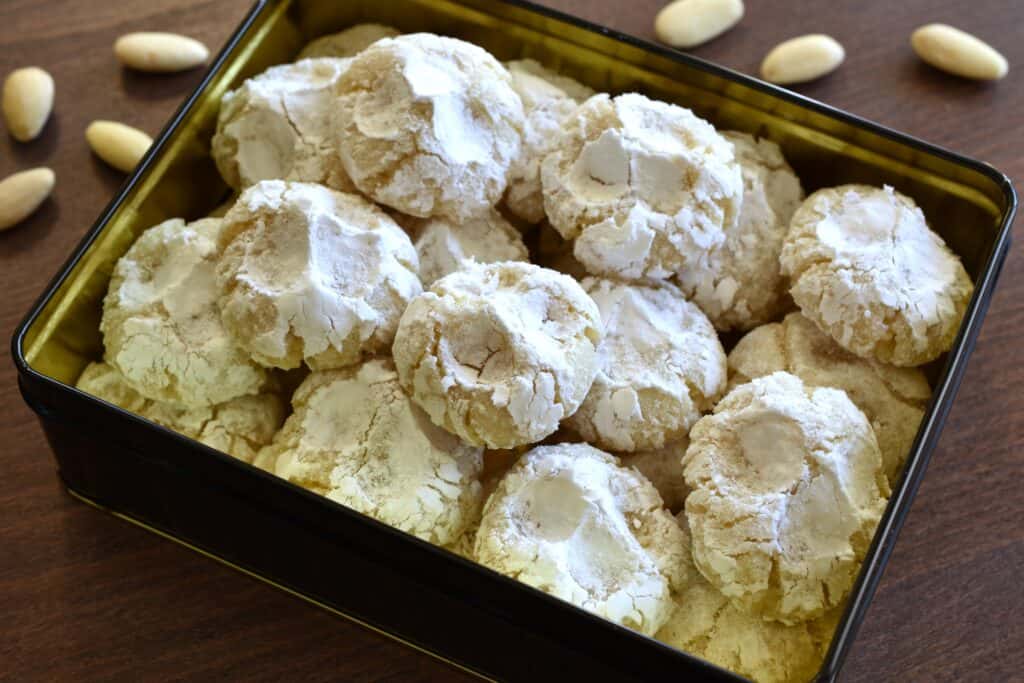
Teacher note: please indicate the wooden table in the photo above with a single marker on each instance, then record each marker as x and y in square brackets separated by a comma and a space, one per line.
[84, 596]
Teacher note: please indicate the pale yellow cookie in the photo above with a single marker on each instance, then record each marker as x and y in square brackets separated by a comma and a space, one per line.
[428, 125]
[443, 244]
[161, 326]
[866, 268]
[570, 521]
[499, 353]
[660, 367]
[310, 274]
[743, 287]
[645, 188]
[893, 399]
[663, 467]
[356, 438]
[347, 43]
[788, 487]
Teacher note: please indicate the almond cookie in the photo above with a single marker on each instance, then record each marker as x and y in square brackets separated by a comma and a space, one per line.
[660, 366]
[442, 244]
[428, 125]
[645, 188]
[310, 274]
[161, 326]
[893, 399]
[705, 624]
[499, 353]
[347, 43]
[276, 126]
[788, 487]
[743, 286]
[869, 272]
[239, 427]
[356, 438]
[570, 521]
[663, 467]
[548, 99]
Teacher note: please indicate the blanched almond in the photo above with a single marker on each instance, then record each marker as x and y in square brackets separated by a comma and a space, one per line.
[160, 52]
[802, 59]
[27, 102]
[957, 52]
[22, 193]
[119, 145]
[688, 23]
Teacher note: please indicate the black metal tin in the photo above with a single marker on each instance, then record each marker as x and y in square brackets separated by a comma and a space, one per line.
[353, 565]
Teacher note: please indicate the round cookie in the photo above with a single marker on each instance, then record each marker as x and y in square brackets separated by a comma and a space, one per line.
[356, 438]
[428, 125]
[239, 427]
[277, 126]
[442, 244]
[663, 467]
[161, 327]
[645, 188]
[705, 624]
[499, 353]
[660, 366]
[743, 286]
[347, 43]
[868, 271]
[893, 399]
[310, 274]
[787, 490]
[567, 520]
[548, 99]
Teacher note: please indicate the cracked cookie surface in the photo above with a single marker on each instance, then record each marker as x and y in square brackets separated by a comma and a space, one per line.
[161, 326]
[743, 287]
[442, 244]
[310, 274]
[867, 269]
[568, 520]
[428, 125]
[645, 188]
[893, 399]
[788, 487]
[660, 367]
[276, 126]
[356, 438]
[499, 353]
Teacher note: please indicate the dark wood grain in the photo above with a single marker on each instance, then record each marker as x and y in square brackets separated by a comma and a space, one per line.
[84, 596]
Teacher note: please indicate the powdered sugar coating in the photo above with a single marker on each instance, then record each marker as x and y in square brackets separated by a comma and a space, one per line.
[660, 367]
[499, 353]
[239, 427]
[347, 43]
[663, 467]
[892, 398]
[161, 326]
[548, 98]
[743, 286]
[276, 126]
[442, 244]
[707, 625]
[788, 487]
[569, 521]
[428, 125]
[310, 274]
[868, 271]
[356, 438]
[644, 187]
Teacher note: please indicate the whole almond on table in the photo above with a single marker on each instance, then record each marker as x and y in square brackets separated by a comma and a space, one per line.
[958, 53]
[802, 59]
[22, 193]
[27, 102]
[160, 52]
[119, 145]
[689, 23]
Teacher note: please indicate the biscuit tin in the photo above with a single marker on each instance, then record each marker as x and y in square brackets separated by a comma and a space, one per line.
[362, 569]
